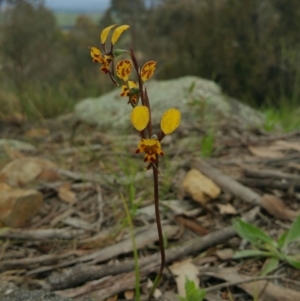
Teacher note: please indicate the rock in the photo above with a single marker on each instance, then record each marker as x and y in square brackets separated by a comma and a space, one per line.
[10, 292]
[17, 206]
[195, 97]
[16, 144]
[24, 170]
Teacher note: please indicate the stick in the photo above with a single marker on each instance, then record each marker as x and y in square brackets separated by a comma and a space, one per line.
[226, 183]
[79, 274]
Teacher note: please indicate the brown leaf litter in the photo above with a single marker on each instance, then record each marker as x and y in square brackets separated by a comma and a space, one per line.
[77, 243]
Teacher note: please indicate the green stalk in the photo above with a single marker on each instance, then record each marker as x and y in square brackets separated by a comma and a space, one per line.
[135, 252]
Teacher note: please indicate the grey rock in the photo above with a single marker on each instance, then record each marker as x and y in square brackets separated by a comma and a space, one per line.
[194, 97]
[16, 144]
[10, 292]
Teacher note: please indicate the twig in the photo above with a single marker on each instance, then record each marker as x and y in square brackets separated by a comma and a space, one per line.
[232, 283]
[82, 273]
[228, 184]
[41, 234]
[100, 205]
[270, 174]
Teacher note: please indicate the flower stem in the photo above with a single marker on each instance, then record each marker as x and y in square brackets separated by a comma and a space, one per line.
[159, 230]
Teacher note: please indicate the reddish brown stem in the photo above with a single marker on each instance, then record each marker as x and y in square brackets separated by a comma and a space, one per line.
[147, 103]
[159, 229]
[137, 69]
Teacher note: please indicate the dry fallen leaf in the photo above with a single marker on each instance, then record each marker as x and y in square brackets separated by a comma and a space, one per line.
[37, 133]
[129, 295]
[271, 152]
[65, 193]
[264, 289]
[225, 254]
[226, 209]
[277, 208]
[184, 269]
[199, 187]
[288, 145]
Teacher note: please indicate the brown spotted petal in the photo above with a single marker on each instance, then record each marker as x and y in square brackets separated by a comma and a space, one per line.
[123, 69]
[148, 70]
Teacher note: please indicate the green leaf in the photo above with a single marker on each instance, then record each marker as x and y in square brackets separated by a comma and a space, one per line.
[193, 293]
[252, 233]
[293, 262]
[294, 233]
[269, 266]
[282, 239]
[250, 253]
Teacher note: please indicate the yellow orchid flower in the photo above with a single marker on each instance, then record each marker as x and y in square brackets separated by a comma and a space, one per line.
[131, 90]
[140, 117]
[107, 56]
[151, 148]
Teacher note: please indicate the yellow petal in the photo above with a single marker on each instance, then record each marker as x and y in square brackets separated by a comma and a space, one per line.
[123, 69]
[170, 121]
[107, 58]
[132, 85]
[124, 91]
[139, 117]
[105, 33]
[96, 54]
[118, 31]
[148, 70]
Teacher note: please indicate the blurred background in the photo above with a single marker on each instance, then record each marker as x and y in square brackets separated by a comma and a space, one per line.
[251, 48]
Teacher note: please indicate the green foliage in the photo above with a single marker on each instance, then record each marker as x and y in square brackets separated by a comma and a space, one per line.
[135, 251]
[284, 116]
[207, 144]
[249, 48]
[130, 169]
[69, 19]
[193, 293]
[44, 69]
[274, 251]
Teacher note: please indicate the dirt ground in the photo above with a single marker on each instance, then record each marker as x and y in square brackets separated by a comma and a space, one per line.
[79, 245]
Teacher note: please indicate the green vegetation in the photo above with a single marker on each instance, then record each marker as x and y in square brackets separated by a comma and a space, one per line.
[193, 293]
[285, 117]
[207, 144]
[44, 71]
[69, 19]
[135, 251]
[249, 49]
[266, 247]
